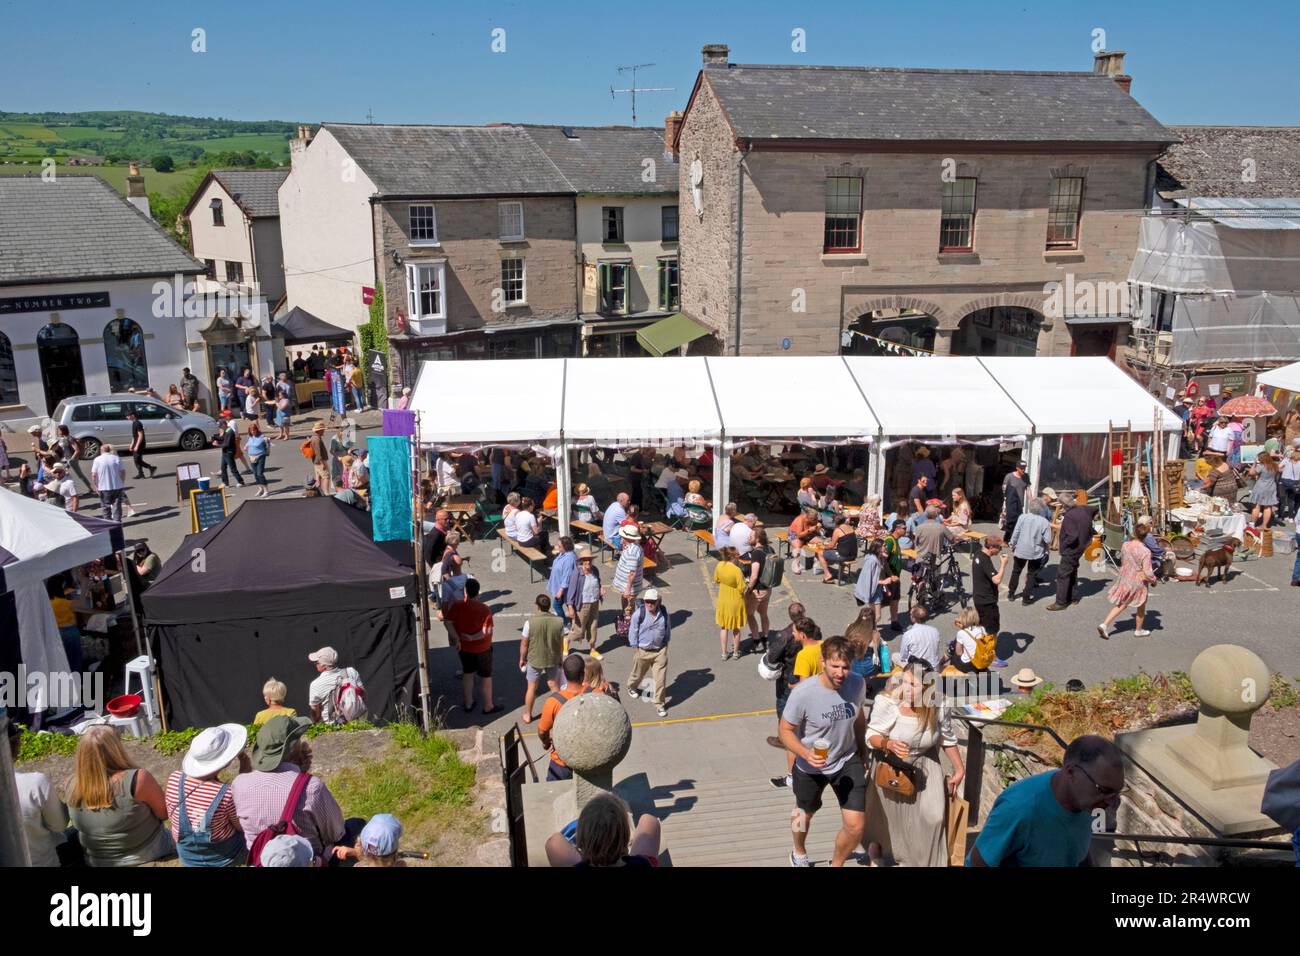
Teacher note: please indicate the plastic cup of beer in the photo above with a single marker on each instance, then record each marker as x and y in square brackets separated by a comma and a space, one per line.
[821, 748]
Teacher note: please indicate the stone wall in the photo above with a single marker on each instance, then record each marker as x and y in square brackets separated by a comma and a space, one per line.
[482, 752]
[1145, 808]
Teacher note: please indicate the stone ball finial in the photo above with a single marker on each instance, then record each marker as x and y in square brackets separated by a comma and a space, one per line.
[1230, 679]
[592, 731]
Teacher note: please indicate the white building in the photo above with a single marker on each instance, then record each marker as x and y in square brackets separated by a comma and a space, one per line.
[79, 309]
[234, 227]
[326, 230]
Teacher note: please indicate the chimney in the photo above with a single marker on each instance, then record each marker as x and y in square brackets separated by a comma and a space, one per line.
[297, 145]
[135, 193]
[1111, 63]
[715, 54]
[671, 126]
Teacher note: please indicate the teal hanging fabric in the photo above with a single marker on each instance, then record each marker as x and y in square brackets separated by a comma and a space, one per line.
[390, 487]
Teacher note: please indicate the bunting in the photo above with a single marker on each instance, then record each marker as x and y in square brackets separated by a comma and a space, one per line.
[893, 348]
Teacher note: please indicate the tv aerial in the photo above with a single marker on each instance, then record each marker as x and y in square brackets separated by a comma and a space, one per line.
[634, 89]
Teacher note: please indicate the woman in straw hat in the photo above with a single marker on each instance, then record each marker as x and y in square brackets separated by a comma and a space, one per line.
[201, 807]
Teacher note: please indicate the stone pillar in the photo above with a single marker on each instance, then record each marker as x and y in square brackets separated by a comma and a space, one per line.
[1232, 683]
[943, 341]
[592, 734]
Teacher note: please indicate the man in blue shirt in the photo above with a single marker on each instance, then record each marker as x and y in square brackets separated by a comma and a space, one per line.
[562, 568]
[648, 638]
[614, 516]
[1049, 819]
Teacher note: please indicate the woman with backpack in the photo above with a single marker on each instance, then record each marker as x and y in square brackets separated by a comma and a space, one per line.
[972, 650]
[730, 614]
[765, 573]
[201, 808]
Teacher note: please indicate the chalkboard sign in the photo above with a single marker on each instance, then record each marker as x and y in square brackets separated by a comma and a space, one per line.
[207, 508]
[187, 479]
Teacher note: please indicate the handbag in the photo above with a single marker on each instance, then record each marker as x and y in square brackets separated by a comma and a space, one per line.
[958, 813]
[893, 775]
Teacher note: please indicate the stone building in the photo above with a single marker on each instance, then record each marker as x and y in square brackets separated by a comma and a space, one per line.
[828, 209]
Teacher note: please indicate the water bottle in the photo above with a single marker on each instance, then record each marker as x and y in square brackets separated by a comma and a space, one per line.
[885, 665]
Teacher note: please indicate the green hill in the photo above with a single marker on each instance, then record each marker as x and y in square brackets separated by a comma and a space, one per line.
[123, 135]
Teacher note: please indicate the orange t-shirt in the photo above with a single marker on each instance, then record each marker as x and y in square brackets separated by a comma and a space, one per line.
[552, 499]
[550, 709]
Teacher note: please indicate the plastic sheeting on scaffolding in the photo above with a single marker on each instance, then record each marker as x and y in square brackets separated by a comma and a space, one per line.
[1235, 329]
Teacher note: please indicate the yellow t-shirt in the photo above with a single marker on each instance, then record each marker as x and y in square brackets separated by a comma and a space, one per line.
[808, 662]
[64, 616]
[264, 715]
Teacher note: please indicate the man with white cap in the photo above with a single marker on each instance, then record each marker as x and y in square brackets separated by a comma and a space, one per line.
[324, 689]
[648, 637]
[205, 824]
[60, 489]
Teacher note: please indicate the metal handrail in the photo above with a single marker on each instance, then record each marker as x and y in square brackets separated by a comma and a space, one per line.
[510, 744]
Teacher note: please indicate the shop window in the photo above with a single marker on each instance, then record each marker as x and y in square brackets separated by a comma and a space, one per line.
[59, 350]
[124, 355]
[8, 373]
[614, 281]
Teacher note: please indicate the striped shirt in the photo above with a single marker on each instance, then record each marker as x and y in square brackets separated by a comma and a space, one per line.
[260, 798]
[629, 567]
[199, 795]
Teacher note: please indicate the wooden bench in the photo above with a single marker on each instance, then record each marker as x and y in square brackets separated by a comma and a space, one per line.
[592, 531]
[531, 555]
[783, 538]
[703, 542]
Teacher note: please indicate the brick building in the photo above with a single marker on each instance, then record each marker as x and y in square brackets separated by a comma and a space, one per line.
[927, 208]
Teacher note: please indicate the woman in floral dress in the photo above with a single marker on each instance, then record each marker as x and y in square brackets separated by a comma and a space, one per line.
[869, 526]
[1135, 574]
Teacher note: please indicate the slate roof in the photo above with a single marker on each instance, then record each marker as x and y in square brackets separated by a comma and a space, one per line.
[609, 159]
[450, 160]
[879, 103]
[1208, 162]
[257, 191]
[77, 228]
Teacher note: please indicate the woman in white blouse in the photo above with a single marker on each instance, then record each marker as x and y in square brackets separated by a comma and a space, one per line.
[508, 514]
[911, 723]
[584, 504]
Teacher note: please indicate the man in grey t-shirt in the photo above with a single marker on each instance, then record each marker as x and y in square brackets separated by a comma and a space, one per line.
[828, 707]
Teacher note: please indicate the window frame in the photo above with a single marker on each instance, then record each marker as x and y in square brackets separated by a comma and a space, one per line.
[9, 365]
[946, 214]
[115, 352]
[218, 212]
[612, 215]
[522, 280]
[414, 293]
[210, 265]
[669, 275]
[1055, 207]
[663, 224]
[501, 207]
[605, 288]
[238, 267]
[411, 236]
[827, 248]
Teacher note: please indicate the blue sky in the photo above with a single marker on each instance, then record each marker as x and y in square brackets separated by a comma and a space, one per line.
[428, 62]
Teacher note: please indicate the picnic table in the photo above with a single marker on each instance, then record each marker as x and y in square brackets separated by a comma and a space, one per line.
[658, 530]
[462, 509]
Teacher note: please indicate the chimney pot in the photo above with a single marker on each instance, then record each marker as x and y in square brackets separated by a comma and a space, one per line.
[671, 125]
[715, 54]
[1125, 83]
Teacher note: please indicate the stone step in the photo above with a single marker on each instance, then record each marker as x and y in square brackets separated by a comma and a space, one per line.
[740, 823]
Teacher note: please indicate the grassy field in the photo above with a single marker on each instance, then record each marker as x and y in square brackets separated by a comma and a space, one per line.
[141, 136]
[115, 176]
[272, 143]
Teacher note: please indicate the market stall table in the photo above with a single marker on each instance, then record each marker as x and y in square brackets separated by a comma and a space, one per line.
[303, 391]
[463, 509]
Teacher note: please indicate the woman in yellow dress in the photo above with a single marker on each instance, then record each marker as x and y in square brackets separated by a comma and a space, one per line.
[731, 602]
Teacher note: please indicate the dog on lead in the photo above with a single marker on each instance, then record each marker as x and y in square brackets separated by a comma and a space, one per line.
[1219, 559]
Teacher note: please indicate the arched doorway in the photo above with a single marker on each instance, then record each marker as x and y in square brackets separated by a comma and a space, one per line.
[889, 332]
[59, 349]
[1000, 330]
[124, 355]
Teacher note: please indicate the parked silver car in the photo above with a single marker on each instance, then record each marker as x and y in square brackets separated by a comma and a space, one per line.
[96, 420]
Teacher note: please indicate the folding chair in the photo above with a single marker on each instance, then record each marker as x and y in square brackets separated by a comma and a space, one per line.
[1112, 541]
[489, 519]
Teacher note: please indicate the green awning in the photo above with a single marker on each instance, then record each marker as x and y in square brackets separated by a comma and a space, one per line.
[670, 334]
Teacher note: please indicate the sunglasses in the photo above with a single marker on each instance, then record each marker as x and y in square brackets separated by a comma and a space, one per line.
[1106, 792]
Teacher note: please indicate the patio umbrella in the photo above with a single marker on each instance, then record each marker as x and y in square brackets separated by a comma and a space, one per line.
[1247, 406]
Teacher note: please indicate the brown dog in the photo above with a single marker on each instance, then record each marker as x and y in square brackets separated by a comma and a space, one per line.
[1219, 558]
